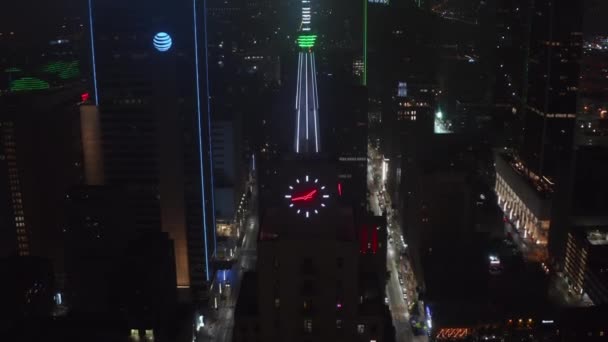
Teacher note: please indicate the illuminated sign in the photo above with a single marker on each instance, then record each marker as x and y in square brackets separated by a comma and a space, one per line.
[307, 40]
[162, 41]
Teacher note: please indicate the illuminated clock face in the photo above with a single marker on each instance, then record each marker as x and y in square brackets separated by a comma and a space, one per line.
[307, 196]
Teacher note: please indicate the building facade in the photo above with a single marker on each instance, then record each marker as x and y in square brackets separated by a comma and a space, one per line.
[550, 35]
[586, 264]
[150, 83]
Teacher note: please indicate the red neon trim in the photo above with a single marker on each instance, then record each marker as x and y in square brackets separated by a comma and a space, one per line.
[363, 239]
[340, 189]
[374, 240]
[306, 197]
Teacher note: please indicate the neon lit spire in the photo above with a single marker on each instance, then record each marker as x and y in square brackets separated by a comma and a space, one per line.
[307, 137]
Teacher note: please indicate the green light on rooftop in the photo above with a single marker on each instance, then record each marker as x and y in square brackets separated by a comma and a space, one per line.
[29, 84]
[65, 70]
[307, 41]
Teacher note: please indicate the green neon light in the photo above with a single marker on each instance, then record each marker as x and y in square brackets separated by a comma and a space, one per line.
[28, 84]
[65, 70]
[364, 78]
[307, 41]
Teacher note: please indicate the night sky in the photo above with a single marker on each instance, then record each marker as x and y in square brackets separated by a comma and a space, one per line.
[36, 15]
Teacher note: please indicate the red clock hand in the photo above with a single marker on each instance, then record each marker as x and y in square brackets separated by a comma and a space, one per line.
[306, 197]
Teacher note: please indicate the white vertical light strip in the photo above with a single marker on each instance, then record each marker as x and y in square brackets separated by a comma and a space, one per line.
[315, 74]
[299, 108]
[200, 140]
[298, 84]
[93, 53]
[306, 97]
[315, 101]
[210, 145]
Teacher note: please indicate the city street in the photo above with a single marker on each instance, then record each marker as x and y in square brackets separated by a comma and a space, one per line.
[220, 324]
[401, 287]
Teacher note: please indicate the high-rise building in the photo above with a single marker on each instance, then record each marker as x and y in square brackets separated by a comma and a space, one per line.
[335, 290]
[527, 178]
[586, 264]
[592, 120]
[150, 83]
[581, 202]
[512, 32]
[330, 292]
[553, 76]
[39, 161]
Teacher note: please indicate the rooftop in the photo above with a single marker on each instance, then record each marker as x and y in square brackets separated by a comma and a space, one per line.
[597, 237]
[542, 185]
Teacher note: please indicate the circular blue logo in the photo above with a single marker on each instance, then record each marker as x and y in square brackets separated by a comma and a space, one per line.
[162, 41]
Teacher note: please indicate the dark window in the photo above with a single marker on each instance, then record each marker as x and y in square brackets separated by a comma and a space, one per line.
[308, 288]
[307, 266]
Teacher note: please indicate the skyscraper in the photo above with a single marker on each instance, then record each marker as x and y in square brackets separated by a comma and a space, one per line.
[39, 161]
[527, 178]
[307, 137]
[150, 83]
[553, 74]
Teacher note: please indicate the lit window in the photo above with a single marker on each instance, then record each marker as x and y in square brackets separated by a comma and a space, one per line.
[134, 335]
[361, 328]
[308, 325]
[338, 324]
[277, 302]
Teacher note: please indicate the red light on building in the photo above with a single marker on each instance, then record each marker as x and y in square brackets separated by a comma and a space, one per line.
[374, 240]
[84, 97]
[363, 237]
[340, 189]
[368, 239]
